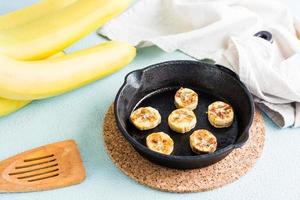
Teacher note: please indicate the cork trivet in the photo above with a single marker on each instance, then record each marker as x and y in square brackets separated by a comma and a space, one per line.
[235, 165]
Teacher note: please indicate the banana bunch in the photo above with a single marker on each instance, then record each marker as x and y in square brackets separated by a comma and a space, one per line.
[32, 65]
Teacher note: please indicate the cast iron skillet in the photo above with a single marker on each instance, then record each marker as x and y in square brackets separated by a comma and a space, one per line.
[156, 86]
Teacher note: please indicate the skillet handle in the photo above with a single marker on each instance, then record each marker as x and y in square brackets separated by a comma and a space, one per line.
[242, 140]
[262, 34]
[265, 35]
[134, 78]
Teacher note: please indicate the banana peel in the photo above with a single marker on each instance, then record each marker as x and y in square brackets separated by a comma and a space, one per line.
[30, 80]
[48, 35]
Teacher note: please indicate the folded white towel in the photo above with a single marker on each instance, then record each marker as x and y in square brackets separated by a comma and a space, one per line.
[223, 30]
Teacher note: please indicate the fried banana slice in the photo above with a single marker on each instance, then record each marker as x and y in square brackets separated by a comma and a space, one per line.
[203, 141]
[160, 142]
[182, 120]
[220, 114]
[186, 98]
[145, 118]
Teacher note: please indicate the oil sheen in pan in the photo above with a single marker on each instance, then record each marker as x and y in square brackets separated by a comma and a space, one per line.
[163, 101]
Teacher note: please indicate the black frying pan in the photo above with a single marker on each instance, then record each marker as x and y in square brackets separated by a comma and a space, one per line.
[156, 86]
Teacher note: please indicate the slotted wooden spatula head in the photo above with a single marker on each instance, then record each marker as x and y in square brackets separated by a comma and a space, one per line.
[44, 168]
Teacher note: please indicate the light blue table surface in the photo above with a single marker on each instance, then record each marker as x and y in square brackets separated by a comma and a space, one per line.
[79, 115]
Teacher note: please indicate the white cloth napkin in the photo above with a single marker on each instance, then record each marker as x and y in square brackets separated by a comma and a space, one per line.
[223, 30]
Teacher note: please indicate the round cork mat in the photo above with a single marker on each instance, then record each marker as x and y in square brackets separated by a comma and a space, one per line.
[235, 165]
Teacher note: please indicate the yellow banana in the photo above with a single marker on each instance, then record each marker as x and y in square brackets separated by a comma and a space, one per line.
[22, 21]
[28, 80]
[19, 18]
[8, 106]
[33, 12]
[52, 33]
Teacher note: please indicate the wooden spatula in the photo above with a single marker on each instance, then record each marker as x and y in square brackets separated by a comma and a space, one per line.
[44, 168]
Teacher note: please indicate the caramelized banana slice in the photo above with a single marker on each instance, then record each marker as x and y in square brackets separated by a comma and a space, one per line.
[203, 141]
[182, 120]
[186, 98]
[145, 118]
[220, 114]
[160, 142]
